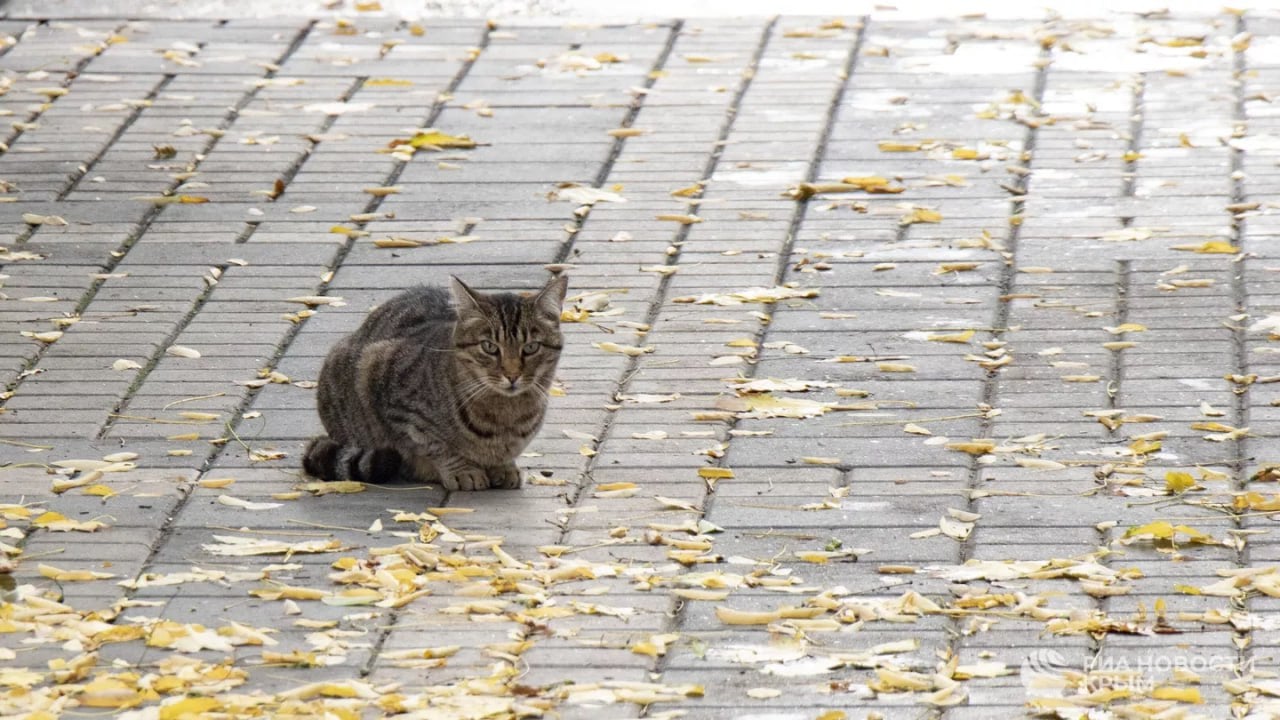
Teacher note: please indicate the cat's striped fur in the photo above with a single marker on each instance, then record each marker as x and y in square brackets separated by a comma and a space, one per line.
[439, 385]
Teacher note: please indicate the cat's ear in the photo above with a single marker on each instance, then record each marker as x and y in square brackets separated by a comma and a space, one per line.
[464, 298]
[550, 299]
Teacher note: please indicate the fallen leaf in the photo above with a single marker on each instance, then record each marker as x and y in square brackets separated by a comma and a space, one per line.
[436, 140]
[1210, 248]
[246, 504]
[629, 350]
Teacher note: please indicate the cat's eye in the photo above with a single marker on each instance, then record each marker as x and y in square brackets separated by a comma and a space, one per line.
[531, 348]
[489, 347]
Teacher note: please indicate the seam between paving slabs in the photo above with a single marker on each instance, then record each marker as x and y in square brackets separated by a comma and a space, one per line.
[1000, 322]
[1239, 292]
[85, 168]
[1008, 278]
[655, 306]
[210, 282]
[1122, 289]
[1115, 388]
[615, 150]
[326, 125]
[1129, 178]
[118, 255]
[1115, 375]
[251, 226]
[798, 213]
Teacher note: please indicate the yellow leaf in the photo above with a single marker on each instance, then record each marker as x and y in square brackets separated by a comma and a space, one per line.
[436, 139]
[335, 690]
[387, 82]
[61, 575]
[107, 692]
[397, 242]
[891, 146]
[354, 596]
[1186, 695]
[866, 182]
[646, 648]
[58, 522]
[960, 337]
[699, 594]
[44, 337]
[1131, 156]
[192, 707]
[297, 658]
[811, 460]
[99, 490]
[1219, 247]
[965, 154]
[1125, 328]
[1165, 530]
[628, 350]
[682, 219]
[920, 215]
[729, 616]
[289, 592]
[974, 447]
[715, 473]
[1178, 482]
[1145, 447]
[341, 487]
[349, 232]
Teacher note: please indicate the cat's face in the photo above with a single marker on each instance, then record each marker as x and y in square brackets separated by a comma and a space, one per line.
[505, 343]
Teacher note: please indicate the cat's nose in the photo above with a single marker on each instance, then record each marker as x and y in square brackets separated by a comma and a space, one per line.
[512, 379]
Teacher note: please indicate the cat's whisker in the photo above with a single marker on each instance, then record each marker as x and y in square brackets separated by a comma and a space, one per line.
[469, 393]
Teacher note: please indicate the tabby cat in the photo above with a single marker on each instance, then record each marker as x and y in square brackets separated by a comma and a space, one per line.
[439, 385]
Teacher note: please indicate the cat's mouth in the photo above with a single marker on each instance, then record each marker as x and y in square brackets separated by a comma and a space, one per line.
[509, 387]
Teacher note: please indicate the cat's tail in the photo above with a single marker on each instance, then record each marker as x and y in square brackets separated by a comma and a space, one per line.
[328, 460]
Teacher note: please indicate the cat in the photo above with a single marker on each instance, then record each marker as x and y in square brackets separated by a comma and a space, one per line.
[439, 385]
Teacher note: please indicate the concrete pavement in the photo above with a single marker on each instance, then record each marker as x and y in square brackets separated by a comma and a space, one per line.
[916, 368]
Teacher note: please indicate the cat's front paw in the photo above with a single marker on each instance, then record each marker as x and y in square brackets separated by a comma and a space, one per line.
[505, 477]
[467, 478]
